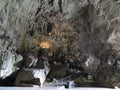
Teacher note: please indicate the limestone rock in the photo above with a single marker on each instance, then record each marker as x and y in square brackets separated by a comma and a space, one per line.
[8, 64]
[91, 64]
[8, 59]
[78, 28]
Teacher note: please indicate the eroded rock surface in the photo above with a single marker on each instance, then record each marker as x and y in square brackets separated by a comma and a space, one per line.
[32, 76]
[81, 35]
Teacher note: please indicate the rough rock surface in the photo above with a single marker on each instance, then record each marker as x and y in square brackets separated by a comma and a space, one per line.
[8, 58]
[81, 35]
[32, 76]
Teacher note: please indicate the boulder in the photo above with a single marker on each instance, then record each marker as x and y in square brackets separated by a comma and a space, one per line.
[26, 78]
[8, 59]
[32, 76]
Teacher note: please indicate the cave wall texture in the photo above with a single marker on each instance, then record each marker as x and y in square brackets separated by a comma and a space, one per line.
[51, 39]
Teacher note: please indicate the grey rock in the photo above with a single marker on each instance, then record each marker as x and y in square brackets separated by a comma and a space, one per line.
[32, 76]
[71, 11]
[2, 32]
[2, 4]
[90, 27]
[8, 61]
[30, 59]
[91, 64]
[26, 78]
[56, 5]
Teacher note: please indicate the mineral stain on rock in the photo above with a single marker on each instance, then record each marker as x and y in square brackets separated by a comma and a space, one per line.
[46, 40]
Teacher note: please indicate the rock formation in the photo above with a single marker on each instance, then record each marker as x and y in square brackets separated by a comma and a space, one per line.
[75, 37]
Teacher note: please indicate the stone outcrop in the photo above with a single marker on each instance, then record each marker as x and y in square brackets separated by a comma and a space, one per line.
[32, 76]
[8, 58]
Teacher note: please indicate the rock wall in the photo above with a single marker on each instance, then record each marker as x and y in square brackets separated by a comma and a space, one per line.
[76, 34]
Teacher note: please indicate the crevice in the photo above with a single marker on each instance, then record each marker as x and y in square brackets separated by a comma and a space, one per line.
[49, 28]
[51, 2]
[60, 5]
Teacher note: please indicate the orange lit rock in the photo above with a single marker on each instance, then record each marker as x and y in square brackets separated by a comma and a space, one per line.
[45, 44]
[50, 33]
[49, 45]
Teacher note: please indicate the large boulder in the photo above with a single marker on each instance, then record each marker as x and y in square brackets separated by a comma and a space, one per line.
[32, 76]
[8, 59]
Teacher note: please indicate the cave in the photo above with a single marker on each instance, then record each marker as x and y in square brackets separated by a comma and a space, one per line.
[43, 41]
